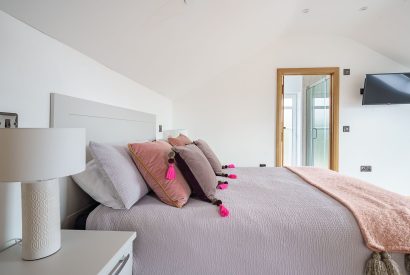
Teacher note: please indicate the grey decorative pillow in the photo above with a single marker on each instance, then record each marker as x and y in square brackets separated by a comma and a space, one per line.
[210, 155]
[197, 171]
[119, 170]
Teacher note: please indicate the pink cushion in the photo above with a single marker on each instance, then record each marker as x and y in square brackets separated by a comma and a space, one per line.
[180, 140]
[151, 159]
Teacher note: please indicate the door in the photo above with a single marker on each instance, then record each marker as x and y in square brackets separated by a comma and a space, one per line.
[307, 117]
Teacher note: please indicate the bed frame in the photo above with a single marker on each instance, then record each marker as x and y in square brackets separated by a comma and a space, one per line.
[103, 123]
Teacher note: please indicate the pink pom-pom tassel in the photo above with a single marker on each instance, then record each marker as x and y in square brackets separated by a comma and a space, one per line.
[170, 172]
[223, 211]
[232, 176]
[231, 165]
[222, 186]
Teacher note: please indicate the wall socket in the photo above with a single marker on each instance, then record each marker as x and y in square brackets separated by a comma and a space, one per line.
[262, 165]
[365, 168]
[8, 120]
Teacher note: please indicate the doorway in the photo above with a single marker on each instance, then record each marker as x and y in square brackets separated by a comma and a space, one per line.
[307, 117]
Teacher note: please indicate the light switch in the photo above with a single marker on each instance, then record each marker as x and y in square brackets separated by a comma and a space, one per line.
[346, 129]
[365, 168]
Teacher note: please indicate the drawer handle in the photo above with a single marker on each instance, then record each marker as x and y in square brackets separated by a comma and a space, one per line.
[120, 265]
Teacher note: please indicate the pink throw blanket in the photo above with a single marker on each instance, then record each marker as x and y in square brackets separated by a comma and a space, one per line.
[383, 216]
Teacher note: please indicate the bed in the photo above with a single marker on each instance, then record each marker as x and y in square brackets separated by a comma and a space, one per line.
[279, 224]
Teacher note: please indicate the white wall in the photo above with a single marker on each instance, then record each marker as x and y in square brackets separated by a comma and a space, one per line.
[235, 112]
[31, 66]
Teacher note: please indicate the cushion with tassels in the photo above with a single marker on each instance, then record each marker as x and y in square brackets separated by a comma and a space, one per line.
[210, 156]
[180, 140]
[156, 165]
[199, 175]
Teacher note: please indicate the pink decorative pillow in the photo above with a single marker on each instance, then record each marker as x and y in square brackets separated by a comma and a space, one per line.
[180, 140]
[151, 159]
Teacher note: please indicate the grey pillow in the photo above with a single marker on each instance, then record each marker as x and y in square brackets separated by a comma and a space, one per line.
[210, 155]
[197, 171]
[119, 170]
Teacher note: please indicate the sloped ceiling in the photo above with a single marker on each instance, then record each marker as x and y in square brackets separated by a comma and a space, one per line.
[171, 46]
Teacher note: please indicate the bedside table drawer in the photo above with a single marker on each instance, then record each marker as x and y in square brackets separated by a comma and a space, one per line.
[121, 263]
[83, 252]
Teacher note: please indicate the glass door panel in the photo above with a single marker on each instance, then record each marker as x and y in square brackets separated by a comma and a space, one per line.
[317, 124]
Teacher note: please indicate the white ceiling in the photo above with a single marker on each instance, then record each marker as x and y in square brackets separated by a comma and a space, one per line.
[172, 47]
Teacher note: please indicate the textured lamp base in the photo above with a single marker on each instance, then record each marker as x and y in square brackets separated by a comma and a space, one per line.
[41, 219]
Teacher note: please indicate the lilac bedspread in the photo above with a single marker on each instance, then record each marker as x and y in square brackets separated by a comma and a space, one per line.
[278, 225]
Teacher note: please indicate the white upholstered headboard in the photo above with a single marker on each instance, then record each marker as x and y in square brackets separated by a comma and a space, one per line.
[103, 123]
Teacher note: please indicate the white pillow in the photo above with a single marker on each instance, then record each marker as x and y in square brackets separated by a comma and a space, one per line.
[92, 182]
[119, 171]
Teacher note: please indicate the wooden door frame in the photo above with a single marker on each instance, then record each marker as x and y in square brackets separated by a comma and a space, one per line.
[334, 73]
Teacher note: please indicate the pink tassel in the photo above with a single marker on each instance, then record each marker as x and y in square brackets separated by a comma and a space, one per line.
[223, 211]
[232, 176]
[170, 172]
[231, 165]
[222, 186]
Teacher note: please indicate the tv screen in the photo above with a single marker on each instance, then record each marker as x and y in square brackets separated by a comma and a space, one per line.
[387, 89]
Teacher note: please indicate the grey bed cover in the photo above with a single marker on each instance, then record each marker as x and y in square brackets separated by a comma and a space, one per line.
[278, 224]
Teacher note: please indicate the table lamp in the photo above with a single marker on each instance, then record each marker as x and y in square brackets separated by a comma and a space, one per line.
[36, 158]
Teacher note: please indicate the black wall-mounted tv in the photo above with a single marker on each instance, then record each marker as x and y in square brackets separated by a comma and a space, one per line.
[392, 88]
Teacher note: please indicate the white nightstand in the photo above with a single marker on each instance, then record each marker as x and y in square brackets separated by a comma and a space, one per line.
[82, 252]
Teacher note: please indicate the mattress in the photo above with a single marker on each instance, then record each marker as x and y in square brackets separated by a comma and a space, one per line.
[278, 224]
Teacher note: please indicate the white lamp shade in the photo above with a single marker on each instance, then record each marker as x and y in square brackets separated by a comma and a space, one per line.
[41, 154]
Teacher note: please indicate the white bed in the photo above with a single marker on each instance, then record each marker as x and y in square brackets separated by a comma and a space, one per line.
[278, 223]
